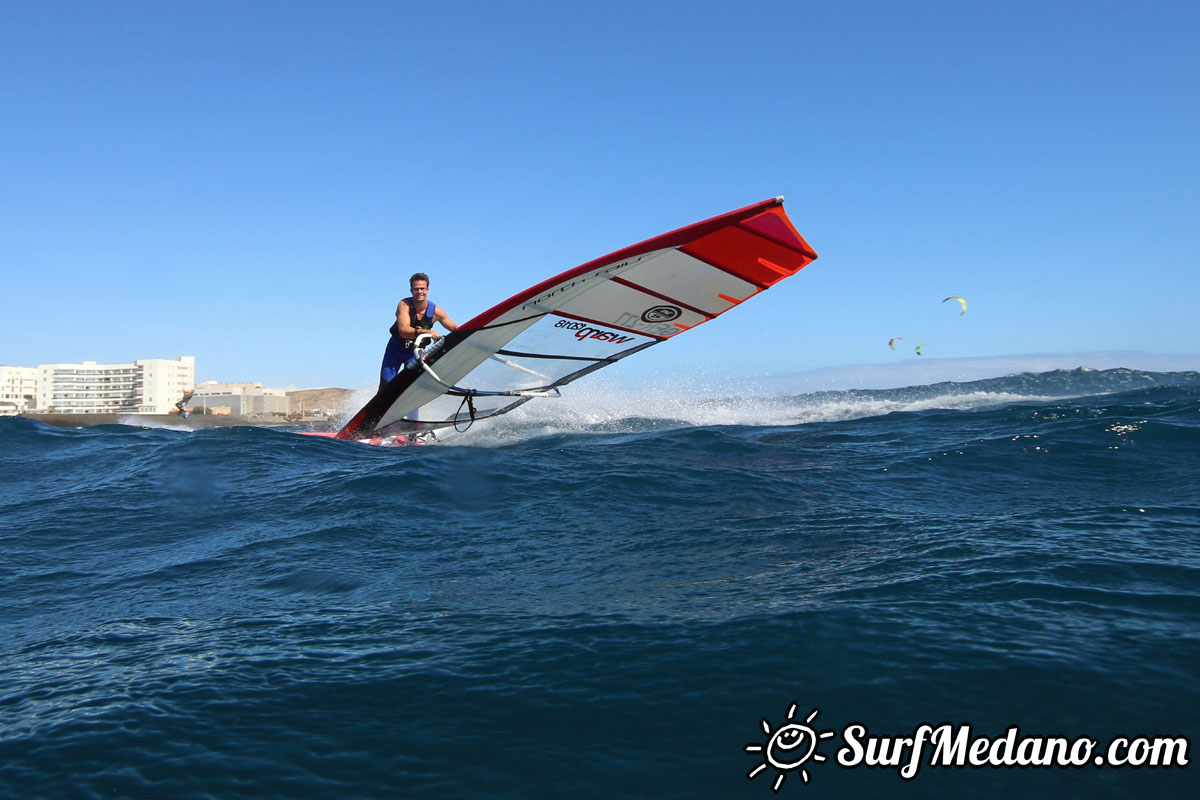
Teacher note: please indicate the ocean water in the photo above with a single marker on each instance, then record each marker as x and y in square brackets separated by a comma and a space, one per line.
[607, 600]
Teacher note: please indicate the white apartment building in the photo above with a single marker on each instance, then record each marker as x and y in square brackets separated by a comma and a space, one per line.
[147, 386]
[18, 389]
[239, 399]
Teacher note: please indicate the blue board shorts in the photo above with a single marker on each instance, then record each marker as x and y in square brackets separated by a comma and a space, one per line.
[396, 359]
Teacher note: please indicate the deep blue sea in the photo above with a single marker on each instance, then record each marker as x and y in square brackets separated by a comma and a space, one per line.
[607, 603]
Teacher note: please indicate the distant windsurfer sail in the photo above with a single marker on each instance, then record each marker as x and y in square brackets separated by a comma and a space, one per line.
[587, 318]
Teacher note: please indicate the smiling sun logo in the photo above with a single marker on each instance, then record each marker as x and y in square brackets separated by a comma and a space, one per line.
[788, 747]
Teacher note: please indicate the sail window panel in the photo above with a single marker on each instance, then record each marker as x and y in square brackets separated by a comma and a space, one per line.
[562, 336]
[692, 282]
[497, 334]
[446, 410]
[424, 390]
[490, 375]
[452, 407]
[630, 310]
[459, 361]
[442, 409]
[507, 374]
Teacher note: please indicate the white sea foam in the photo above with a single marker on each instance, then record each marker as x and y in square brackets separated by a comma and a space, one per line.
[138, 421]
[597, 407]
[598, 404]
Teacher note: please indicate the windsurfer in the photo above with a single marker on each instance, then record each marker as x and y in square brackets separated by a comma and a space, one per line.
[414, 315]
[182, 404]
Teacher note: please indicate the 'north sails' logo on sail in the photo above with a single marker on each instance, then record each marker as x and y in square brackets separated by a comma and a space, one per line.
[661, 314]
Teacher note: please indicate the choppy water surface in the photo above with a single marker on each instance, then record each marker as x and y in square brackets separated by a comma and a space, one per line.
[578, 602]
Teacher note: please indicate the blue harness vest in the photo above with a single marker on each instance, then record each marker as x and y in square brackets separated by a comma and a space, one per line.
[399, 353]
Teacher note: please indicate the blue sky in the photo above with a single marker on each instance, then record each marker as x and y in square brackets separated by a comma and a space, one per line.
[253, 182]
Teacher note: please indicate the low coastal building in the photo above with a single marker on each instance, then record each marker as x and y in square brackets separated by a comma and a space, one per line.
[240, 399]
[146, 386]
[18, 389]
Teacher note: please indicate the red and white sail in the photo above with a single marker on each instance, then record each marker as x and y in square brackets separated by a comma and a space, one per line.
[589, 317]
